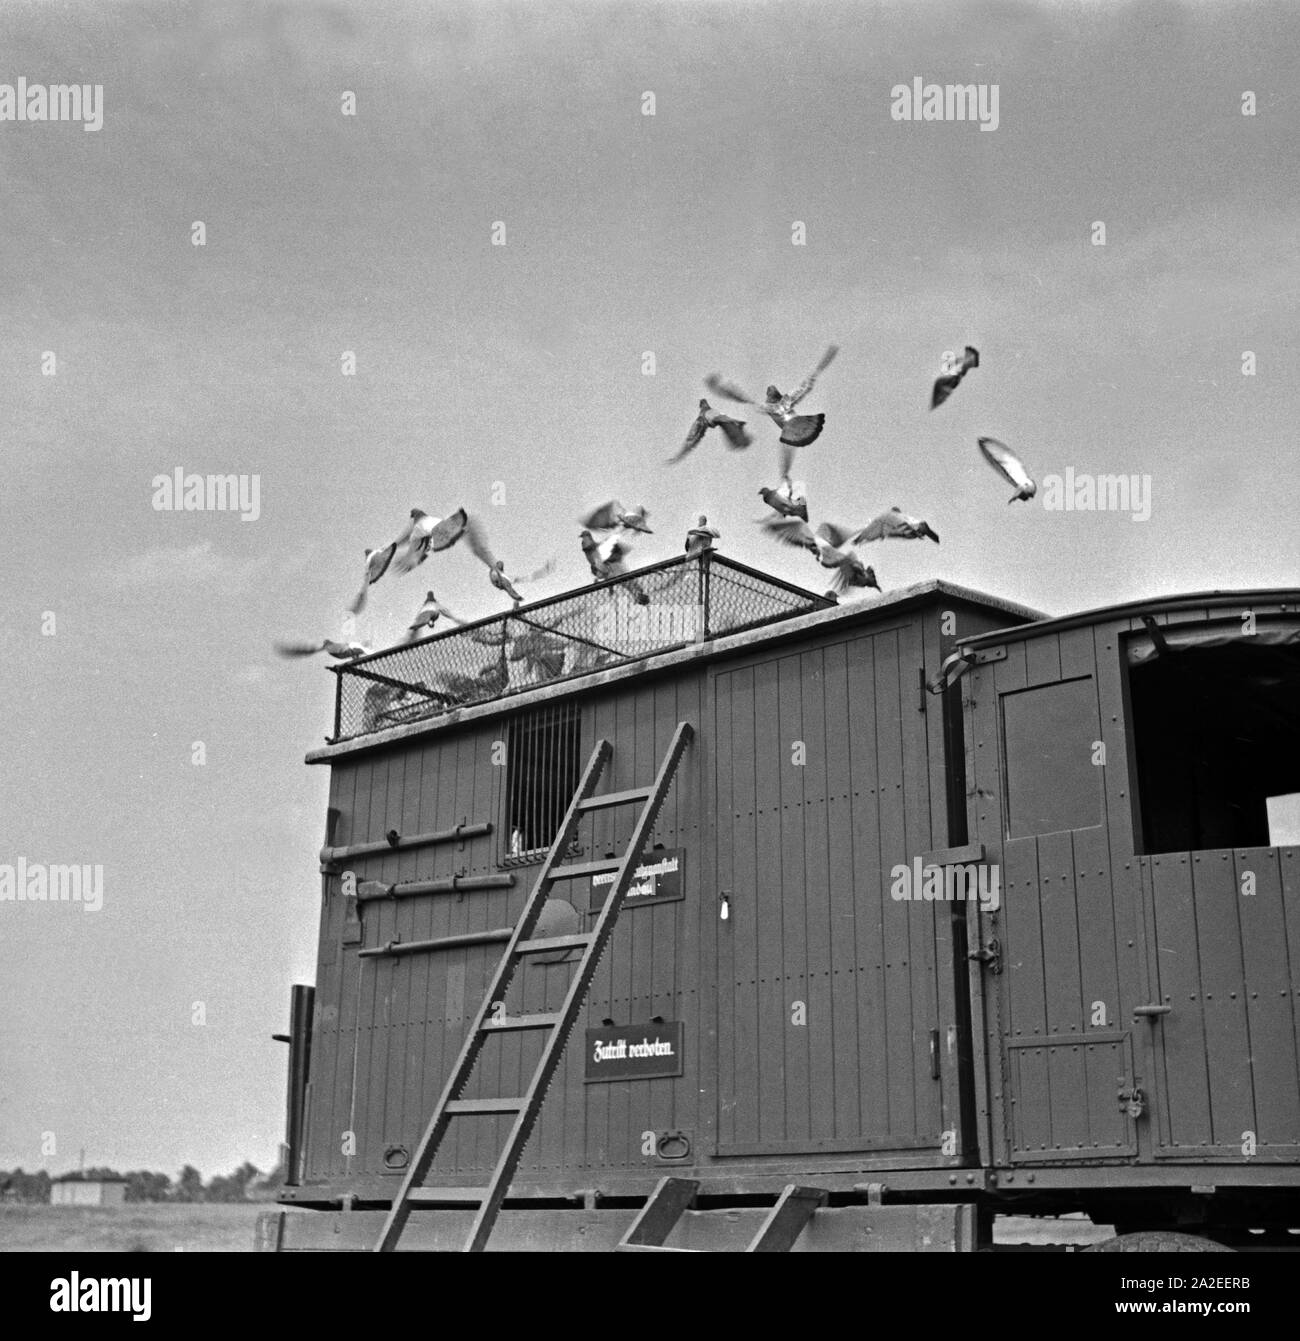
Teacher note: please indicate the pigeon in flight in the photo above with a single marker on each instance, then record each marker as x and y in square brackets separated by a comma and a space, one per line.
[422, 536]
[496, 567]
[1010, 467]
[614, 516]
[797, 430]
[340, 651]
[701, 536]
[427, 616]
[787, 501]
[949, 382]
[733, 430]
[895, 525]
[833, 547]
[607, 559]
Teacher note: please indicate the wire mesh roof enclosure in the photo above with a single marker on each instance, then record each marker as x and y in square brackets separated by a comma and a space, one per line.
[654, 609]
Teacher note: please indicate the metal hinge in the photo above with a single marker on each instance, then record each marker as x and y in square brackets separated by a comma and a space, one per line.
[990, 956]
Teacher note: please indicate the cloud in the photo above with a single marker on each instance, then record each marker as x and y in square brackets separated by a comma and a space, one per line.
[188, 564]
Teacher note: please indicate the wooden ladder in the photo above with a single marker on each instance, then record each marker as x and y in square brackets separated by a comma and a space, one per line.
[524, 1108]
[649, 1232]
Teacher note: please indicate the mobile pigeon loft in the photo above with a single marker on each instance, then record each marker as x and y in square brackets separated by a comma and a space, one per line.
[733, 919]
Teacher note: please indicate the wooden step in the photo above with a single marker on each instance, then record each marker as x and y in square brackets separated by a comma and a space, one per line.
[582, 870]
[616, 798]
[545, 943]
[441, 1196]
[511, 1022]
[476, 1107]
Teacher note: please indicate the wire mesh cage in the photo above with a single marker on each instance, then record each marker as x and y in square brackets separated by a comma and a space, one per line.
[654, 609]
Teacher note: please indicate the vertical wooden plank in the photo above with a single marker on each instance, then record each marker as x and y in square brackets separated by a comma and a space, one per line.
[793, 895]
[817, 896]
[730, 798]
[923, 979]
[1222, 973]
[1269, 990]
[763, 919]
[846, 1049]
[897, 914]
[1064, 1012]
[1183, 1052]
[1042, 659]
[868, 891]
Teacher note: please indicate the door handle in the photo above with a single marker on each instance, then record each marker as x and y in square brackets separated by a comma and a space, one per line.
[1152, 1013]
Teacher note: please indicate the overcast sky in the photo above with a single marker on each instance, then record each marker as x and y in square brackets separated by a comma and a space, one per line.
[522, 364]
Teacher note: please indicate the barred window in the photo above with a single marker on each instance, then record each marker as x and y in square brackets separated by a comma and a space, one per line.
[542, 772]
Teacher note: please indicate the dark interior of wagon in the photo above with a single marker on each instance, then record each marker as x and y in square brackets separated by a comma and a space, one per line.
[1217, 734]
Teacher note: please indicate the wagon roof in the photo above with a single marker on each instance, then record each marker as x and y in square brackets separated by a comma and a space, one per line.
[1282, 598]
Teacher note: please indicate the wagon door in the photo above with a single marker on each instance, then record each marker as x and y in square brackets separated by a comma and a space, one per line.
[1216, 752]
[827, 994]
[1060, 960]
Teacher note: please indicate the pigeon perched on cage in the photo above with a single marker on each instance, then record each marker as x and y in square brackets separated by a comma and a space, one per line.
[895, 525]
[427, 616]
[797, 430]
[422, 536]
[613, 516]
[496, 567]
[1010, 467]
[831, 545]
[340, 651]
[733, 430]
[952, 375]
[786, 501]
[607, 559]
[701, 536]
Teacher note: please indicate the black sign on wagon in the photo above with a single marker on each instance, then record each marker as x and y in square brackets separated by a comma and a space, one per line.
[657, 880]
[634, 1051]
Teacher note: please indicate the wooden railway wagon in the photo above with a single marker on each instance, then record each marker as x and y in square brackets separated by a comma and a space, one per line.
[949, 910]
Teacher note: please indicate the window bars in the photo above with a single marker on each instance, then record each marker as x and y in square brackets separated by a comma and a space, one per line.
[655, 609]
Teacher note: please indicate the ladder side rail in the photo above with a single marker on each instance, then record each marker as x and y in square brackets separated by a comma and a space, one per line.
[579, 985]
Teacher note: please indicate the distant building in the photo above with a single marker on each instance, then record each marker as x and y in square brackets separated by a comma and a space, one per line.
[79, 1189]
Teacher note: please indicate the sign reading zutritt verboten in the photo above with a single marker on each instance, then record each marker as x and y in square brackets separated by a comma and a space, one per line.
[634, 1051]
[657, 880]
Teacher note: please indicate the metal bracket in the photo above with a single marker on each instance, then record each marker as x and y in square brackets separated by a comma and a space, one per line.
[990, 956]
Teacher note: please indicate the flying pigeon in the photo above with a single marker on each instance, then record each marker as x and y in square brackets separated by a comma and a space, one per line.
[797, 430]
[701, 536]
[422, 536]
[785, 501]
[1010, 467]
[496, 567]
[427, 616]
[614, 516]
[733, 430]
[606, 559]
[895, 525]
[340, 651]
[832, 546]
[949, 382]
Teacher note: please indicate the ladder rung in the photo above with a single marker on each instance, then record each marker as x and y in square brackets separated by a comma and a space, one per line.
[581, 869]
[537, 947]
[650, 1248]
[509, 1022]
[616, 798]
[433, 1196]
[471, 1107]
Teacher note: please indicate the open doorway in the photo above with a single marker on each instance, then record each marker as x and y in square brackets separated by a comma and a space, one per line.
[1215, 721]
